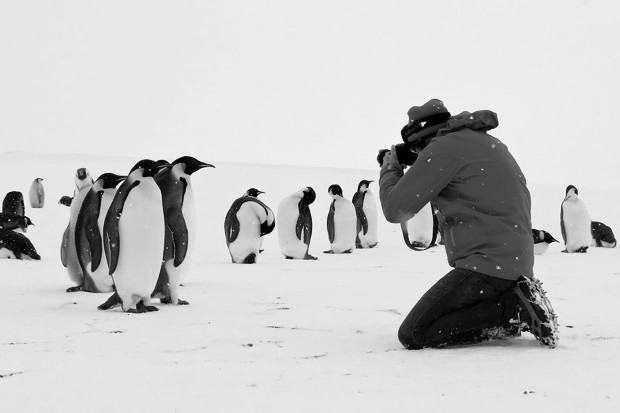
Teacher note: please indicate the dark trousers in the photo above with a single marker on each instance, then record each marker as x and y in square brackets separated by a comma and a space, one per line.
[459, 309]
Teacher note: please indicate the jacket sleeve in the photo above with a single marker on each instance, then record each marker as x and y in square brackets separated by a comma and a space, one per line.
[403, 195]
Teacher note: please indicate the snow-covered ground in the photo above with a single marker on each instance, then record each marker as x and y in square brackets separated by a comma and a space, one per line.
[292, 336]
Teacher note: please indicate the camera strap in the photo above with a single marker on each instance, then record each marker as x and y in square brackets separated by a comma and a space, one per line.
[403, 227]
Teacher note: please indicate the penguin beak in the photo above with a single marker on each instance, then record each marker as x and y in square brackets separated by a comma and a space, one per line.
[205, 165]
[120, 179]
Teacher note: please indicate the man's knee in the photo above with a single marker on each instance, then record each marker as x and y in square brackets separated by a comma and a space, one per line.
[409, 340]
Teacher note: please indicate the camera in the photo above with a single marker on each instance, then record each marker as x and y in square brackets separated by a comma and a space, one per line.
[404, 152]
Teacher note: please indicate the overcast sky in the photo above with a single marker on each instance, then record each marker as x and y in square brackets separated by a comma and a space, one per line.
[323, 83]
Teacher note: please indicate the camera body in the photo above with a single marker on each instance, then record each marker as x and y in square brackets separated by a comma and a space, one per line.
[404, 152]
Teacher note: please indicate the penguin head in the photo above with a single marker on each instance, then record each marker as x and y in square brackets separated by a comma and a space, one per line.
[191, 164]
[363, 185]
[335, 190]
[253, 192]
[308, 195]
[82, 178]
[573, 188]
[110, 180]
[548, 238]
[38, 180]
[149, 167]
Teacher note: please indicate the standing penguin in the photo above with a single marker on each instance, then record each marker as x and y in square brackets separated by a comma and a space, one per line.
[575, 222]
[366, 211]
[420, 229]
[542, 239]
[246, 222]
[295, 224]
[13, 203]
[88, 230]
[37, 194]
[179, 207]
[68, 251]
[341, 222]
[133, 237]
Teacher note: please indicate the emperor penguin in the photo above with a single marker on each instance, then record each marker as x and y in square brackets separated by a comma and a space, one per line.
[36, 195]
[13, 203]
[18, 223]
[133, 237]
[575, 222]
[420, 227]
[366, 211]
[295, 224]
[542, 239]
[14, 245]
[602, 235]
[246, 222]
[88, 234]
[179, 206]
[341, 222]
[68, 252]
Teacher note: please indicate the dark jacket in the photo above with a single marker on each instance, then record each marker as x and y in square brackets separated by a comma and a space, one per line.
[483, 201]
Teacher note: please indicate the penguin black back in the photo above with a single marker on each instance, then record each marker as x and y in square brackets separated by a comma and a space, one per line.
[13, 203]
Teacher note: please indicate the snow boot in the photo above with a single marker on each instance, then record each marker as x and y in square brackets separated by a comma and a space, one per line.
[535, 312]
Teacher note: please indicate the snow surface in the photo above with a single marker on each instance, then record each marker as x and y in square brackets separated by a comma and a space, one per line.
[292, 336]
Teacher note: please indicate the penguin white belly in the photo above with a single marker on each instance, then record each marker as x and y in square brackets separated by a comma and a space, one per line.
[290, 245]
[540, 248]
[577, 225]
[249, 240]
[101, 276]
[7, 253]
[345, 227]
[420, 227]
[370, 210]
[141, 235]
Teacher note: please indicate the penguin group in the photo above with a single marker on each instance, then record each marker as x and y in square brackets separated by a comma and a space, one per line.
[135, 240]
[14, 244]
[351, 224]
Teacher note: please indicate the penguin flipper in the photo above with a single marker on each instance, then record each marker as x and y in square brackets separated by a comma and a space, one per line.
[562, 224]
[64, 246]
[178, 229]
[111, 235]
[266, 227]
[87, 234]
[358, 202]
[331, 233]
[231, 227]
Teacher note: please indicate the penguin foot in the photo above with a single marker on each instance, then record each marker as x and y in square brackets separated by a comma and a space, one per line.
[582, 249]
[111, 302]
[288, 258]
[328, 252]
[250, 259]
[310, 257]
[76, 288]
[168, 300]
[142, 308]
[347, 251]
[182, 302]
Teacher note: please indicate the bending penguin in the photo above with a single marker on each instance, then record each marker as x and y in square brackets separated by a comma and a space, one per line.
[295, 224]
[246, 222]
[133, 237]
[341, 222]
[14, 245]
[602, 235]
[68, 251]
[575, 222]
[179, 207]
[36, 195]
[542, 239]
[366, 211]
[88, 234]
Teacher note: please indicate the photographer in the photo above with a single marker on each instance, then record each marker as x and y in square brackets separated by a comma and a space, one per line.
[484, 210]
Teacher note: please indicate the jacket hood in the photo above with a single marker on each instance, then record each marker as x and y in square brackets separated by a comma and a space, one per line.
[481, 120]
